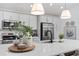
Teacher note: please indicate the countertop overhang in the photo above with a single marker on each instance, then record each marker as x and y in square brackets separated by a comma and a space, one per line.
[44, 49]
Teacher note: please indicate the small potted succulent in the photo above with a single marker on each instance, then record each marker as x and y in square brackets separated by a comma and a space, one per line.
[61, 36]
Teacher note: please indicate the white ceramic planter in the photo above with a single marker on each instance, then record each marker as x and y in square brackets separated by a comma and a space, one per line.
[61, 40]
[27, 40]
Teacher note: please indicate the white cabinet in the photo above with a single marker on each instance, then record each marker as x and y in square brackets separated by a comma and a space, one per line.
[49, 18]
[24, 19]
[6, 15]
[46, 18]
[10, 16]
[29, 20]
[1, 18]
[1, 15]
[43, 18]
[14, 16]
[33, 22]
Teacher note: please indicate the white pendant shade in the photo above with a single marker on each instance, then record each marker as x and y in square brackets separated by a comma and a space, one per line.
[65, 14]
[37, 9]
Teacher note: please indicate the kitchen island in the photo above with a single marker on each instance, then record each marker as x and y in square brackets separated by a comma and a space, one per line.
[43, 49]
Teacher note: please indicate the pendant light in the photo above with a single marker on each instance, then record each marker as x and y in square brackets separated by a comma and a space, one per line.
[37, 9]
[65, 13]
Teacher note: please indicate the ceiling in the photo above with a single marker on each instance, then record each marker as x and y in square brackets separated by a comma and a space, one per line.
[25, 8]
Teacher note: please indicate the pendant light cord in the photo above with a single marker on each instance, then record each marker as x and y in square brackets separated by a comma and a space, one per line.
[29, 20]
[65, 5]
[47, 22]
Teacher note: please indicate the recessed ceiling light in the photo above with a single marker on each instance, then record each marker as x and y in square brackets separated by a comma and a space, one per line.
[50, 4]
[30, 5]
[61, 7]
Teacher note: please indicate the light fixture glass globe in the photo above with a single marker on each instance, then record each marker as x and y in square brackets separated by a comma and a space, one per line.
[37, 9]
[65, 14]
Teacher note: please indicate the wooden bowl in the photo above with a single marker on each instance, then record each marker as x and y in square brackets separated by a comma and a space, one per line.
[14, 49]
[21, 46]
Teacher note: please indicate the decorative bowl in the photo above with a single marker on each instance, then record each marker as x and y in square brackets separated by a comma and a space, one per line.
[21, 46]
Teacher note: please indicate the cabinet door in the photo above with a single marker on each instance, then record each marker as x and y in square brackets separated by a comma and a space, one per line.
[7, 15]
[24, 19]
[46, 18]
[33, 22]
[1, 18]
[10, 16]
[14, 16]
[49, 19]
[43, 18]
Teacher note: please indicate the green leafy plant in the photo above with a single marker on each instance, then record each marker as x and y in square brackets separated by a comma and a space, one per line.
[61, 35]
[23, 29]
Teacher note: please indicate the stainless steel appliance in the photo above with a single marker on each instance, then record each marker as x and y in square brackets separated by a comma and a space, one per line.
[8, 38]
[47, 31]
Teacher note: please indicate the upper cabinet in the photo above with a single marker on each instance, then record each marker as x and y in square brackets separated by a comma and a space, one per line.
[43, 18]
[33, 22]
[29, 20]
[1, 18]
[10, 16]
[46, 18]
[26, 19]
[6, 15]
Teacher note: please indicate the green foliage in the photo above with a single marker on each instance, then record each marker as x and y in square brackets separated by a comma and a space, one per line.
[61, 35]
[24, 29]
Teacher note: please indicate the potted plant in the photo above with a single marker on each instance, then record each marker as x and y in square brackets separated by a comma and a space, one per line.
[61, 36]
[25, 32]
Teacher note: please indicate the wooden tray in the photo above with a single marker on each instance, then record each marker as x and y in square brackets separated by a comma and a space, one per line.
[15, 49]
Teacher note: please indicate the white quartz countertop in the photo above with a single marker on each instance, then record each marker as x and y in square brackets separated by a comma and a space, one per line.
[43, 49]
